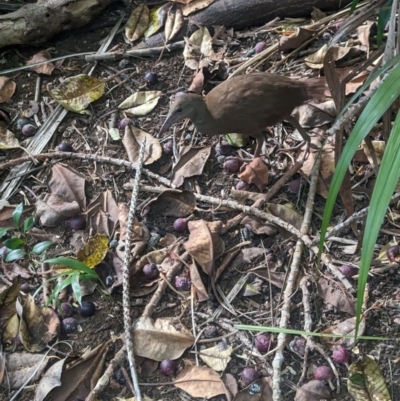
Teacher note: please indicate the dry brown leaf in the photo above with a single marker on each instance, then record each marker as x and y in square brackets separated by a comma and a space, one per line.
[256, 173]
[316, 60]
[103, 213]
[132, 141]
[7, 89]
[201, 292]
[50, 380]
[46, 68]
[158, 15]
[217, 357]
[160, 339]
[174, 23]
[200, 381]
[191, 163]
[196, 5]
[200, 80]
[140, 103]
[287, 43]
[137, 22]
[314, 390]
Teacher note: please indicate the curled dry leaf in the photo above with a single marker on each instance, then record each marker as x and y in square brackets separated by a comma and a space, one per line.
[10, 332]
[256, 173]
[7, 138]
[23, 368]
[314, 390]
[316, 60]
[50, 380]
[174, 23]
[94, 250]
[172, 203]
[137, 22]
[200, 80]
[200, 381]
[140, 103]
[287, 43]
[204, 243]
[160, 339]
[197, 282]
[7, 89]
[76, 93]
[190, 163]
[216, 357]
[196, 5]
[132, 141]
[46, 68]
[158, 16]
[38, 326]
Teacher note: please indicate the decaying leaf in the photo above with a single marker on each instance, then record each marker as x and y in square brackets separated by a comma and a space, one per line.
[200, 80]
[7, 89]
[174, 23]
[158, 16]
[314, 390]
[137, 22]
[287, 43]
[288, 213]
[173, 203]
[256, 173]
[200, 381]
[7, 138]
[237, 140]
[140, 103]
[217, 357]
[197, 282]
[94, 250]
[316, 60]
[50, 380]
[366, 382]
[38, 326]
[46, 68]
[196, 5]
[76, 93]
[53, 209]
[160, 339]
[132, 141]
[191, 162]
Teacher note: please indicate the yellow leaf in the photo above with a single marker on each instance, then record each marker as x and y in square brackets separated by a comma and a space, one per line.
[94, 250]
[157, 19]
[137, 22]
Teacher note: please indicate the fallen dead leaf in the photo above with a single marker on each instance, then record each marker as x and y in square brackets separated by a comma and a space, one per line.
[137, 22]
[174, 22]
[217, 357]
[7, 89]
[140, 103]
[287, 43]
[314, 390]
[46, 68]
[256, 172]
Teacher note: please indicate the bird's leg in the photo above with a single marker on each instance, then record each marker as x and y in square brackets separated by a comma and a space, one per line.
[259, 144]
[302, 131]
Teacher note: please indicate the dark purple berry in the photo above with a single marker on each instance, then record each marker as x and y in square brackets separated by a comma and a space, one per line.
[124, 123]
[66, 309]
[260, 46]
[242, 186]
[249, 375]
[232, 165]
[223, 149]
[119, 377]
[65, 147]
[168, 367]
[298, 345]
[69, 324]
[341, 355]
[150, 271]
[28, 130]
[182, 283]
[87, 309]
[150, 78]
[348, 271]
[393, 254]
[168, 148]
[180, 225]
[262, 342]
[323, 373]
[78, 223]
[294, 186]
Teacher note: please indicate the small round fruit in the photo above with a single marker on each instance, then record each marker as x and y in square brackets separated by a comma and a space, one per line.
[223, 149]
[150, 271]
[249, 375]
[78, 223]
[393, 254]
[66, 309]
[168, 367]
[294, 186]
[150, 78]
[323, 373]
[87, 309]
[232, 165]
[260, 46]
[124, 123]
[119, 377]
[180, 225]
[341, 355]
[182, 283]
[242, 186]
[348, 271]
[65, 147]
[69, 324]
[262, 342]
[168, 147]
[28, 130]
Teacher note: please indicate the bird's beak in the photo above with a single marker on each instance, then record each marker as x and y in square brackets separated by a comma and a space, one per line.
[170, 120]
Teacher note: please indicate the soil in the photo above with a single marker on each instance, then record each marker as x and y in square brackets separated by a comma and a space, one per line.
[215, 181]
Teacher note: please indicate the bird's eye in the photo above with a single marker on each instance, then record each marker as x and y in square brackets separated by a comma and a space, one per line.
[179, 110]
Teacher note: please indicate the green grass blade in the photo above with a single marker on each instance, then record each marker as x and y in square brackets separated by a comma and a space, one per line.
[382, 99]
[17, 213]
[383, 18]
[72, 263]
[386, 181]
[76, 288]
[353, 6]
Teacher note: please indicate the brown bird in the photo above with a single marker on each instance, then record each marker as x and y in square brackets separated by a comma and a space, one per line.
[246, 104]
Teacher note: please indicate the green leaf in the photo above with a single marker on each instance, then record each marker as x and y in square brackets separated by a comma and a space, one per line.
[386, 181]
[383, 19]
[73, 263]
[16, 254]
[17, 213]
[41, 247]
[14, 243]
[76, 288]
[58, 288]
[4, 231]
[382, 99]
[28, 223]
[353, 6]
